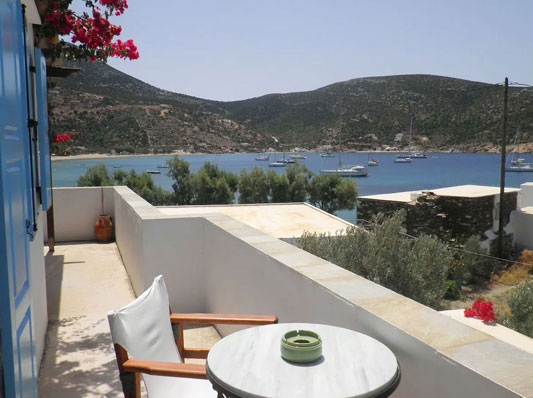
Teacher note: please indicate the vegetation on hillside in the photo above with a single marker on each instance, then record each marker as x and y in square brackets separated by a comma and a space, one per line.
[114, 111]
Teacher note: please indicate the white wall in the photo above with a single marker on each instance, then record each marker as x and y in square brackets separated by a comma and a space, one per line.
[38, 291]
[76, 211]
[522, 228]
[521, 223]
[525, 196]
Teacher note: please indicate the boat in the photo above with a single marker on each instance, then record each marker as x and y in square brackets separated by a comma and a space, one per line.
[419, 155]
[327, 155]
[402, 159]
[372, 161]
[163, 166]
[297, 156]
[153, 171]
[287, 161]
[277, 164]
[117, 166]
[347, 171]
[518, 165]
[409, 156]
[521, 168]
[263, 158]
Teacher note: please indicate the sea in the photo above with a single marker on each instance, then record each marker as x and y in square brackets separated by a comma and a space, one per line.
[437, 171]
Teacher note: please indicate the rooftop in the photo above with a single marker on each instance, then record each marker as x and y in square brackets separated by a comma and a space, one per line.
[460, 191]
[283, 220]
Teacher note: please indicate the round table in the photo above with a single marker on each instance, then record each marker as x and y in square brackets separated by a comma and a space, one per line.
[248, 364]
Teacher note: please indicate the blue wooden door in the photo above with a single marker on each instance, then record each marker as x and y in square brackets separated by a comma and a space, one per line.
[15, 219]
[42, 119]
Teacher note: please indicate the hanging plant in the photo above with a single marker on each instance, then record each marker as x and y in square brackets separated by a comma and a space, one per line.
[86, 36]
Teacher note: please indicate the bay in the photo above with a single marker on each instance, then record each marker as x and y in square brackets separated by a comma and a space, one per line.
[438, 171]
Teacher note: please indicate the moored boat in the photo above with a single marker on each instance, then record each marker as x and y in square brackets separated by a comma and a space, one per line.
[153, 171]
[400, 159]
[347, 171]
[263, 158]
[277, 164]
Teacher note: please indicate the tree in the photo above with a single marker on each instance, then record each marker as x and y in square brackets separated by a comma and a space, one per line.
[142, 184]
[96, 176]
[181, 174]
[331, 193]
[145, 187]
[213, 186]
[254, 186]
[279, 187]
[299, 176]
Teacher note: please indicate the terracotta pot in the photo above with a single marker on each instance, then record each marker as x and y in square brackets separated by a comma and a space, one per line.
[103, 229]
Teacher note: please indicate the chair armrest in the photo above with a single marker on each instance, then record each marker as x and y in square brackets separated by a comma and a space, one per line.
[223, 319]
[192, 371]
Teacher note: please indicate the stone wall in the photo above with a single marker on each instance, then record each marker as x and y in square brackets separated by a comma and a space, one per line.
[444, 216]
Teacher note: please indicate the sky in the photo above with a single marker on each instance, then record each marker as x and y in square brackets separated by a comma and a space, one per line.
[237, 49]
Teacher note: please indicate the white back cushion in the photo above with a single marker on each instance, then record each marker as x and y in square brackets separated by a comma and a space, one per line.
[143, 327]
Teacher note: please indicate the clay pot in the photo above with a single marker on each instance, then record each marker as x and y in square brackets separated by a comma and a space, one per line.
[103, 229]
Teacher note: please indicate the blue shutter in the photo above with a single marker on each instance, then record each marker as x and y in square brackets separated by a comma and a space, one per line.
[42, 119]
[15, 292]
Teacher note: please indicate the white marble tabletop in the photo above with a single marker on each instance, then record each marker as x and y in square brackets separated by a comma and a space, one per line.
[249, 364]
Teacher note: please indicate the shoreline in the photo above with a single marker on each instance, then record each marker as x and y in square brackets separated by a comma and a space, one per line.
[89, 156]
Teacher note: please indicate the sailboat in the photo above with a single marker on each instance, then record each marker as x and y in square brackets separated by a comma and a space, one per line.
[345, 170]
[518, 164]
[263, 158]
[372, 161]
[406, 158]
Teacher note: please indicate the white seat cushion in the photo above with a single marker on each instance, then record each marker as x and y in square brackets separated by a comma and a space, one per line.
[179, 387]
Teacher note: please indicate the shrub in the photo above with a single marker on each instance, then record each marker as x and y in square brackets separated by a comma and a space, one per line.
[521, 304]
[415, 268]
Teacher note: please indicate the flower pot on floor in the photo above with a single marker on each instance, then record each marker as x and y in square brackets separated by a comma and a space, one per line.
[103, 229]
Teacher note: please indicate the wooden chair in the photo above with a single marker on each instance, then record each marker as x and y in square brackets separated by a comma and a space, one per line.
[148, 341]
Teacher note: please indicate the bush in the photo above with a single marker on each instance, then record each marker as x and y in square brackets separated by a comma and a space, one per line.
[521, 304]
[415, 268]
[474, 266]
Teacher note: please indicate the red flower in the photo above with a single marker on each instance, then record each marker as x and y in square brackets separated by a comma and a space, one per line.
[62, 138]
[482, 310]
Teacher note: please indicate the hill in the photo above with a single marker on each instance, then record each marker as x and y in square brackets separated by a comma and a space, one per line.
[112, 110]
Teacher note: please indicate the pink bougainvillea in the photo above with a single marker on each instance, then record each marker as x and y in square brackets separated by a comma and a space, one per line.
[92, 35]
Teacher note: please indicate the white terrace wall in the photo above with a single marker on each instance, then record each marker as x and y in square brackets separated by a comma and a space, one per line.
[76, 211]
[522, 219]
[217, 264]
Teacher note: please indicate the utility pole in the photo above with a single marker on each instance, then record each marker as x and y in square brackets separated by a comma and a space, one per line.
[502, 168]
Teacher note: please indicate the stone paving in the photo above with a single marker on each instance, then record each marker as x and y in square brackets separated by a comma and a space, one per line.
[84, 282]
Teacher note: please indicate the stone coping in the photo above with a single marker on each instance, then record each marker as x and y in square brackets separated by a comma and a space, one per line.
[460, 191]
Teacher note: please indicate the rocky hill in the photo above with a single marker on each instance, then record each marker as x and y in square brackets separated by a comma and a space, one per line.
[112, 110]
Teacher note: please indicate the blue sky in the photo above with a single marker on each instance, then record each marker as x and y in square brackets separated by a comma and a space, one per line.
[237, 49]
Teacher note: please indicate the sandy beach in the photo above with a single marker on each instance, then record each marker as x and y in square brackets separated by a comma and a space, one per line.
[109, 156]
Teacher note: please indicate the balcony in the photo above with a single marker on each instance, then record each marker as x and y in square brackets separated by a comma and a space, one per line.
[215, 263]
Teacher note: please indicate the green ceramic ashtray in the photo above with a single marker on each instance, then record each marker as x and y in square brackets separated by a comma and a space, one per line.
[301, 346]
